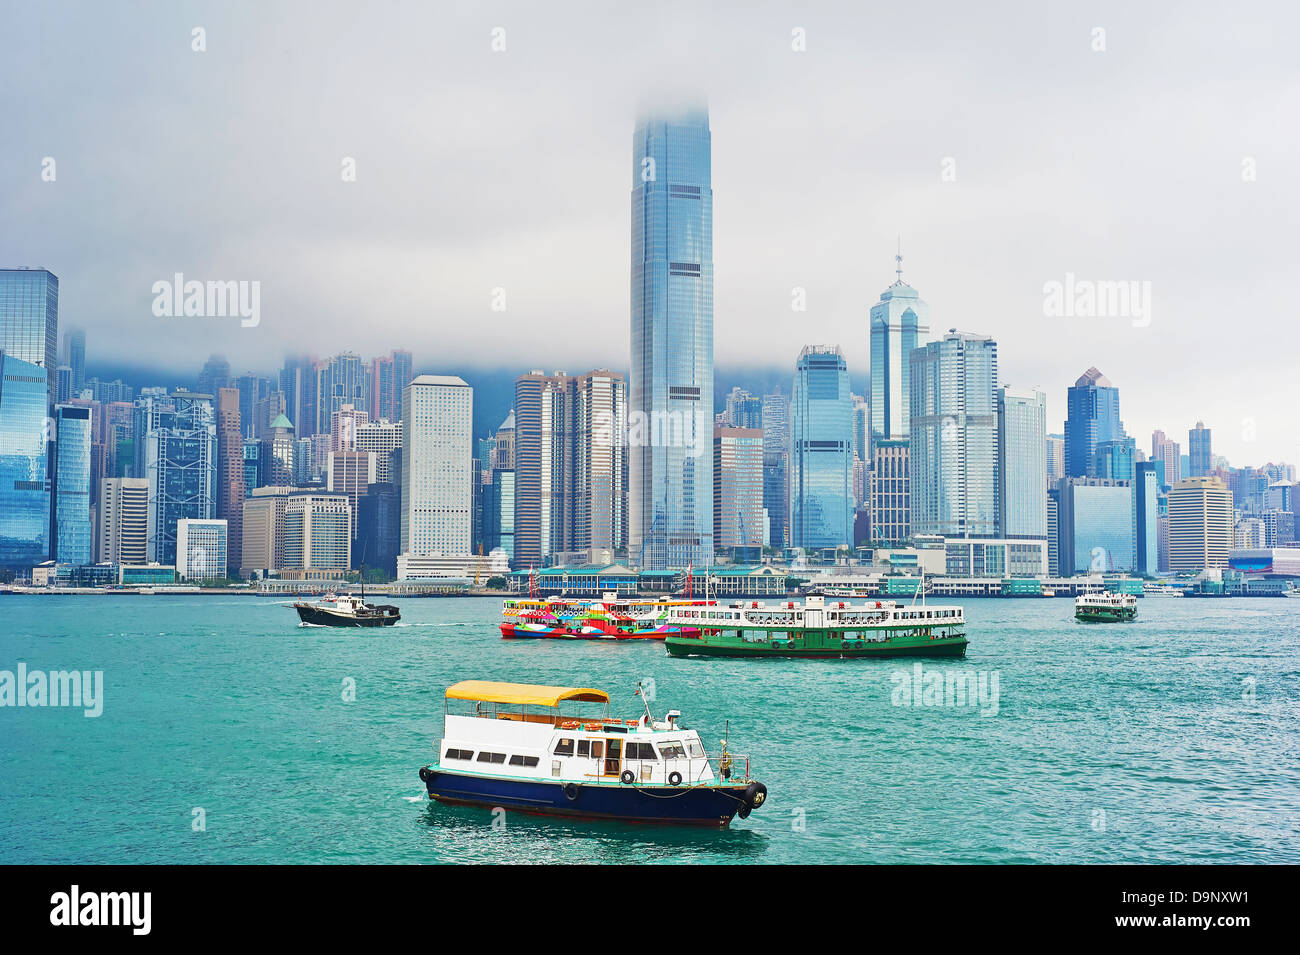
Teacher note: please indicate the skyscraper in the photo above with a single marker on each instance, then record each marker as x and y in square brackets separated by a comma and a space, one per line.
[71, 530]
[776, 467]
[1092, 404]
[899, 323]
[75, 346]
[437, 500]
[215, 375]
[1095, 523]
[670, 395]
[29, 321]
[1169, 455]
[1200, 525]
[1022, 463]
[124, 521]
[1198, 450]
[230, 473]
[738, 491]
[821, 451]
[954, 437]
[177, 453]
[890, 491]
[1146, 514]
[24, 491]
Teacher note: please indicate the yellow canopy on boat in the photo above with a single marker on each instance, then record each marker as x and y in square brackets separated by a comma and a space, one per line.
[521, 694]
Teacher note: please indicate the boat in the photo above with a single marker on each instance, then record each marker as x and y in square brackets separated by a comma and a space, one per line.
[609, 618]
[532, 749]
[1048, 592]
[819, 628]
[1161, 590]
[1105, 608]
[346, 610]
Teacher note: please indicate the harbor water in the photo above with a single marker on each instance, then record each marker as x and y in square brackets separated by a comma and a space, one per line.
[231, 734]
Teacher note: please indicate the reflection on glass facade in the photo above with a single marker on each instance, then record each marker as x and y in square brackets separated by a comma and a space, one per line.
[670, 393]
[1146, 513]
[821, 451]
[954, 441]
[1092, 409]
[72, 435]
[1022, 470]
[900, 322]
[176, 450]
[776, 466]
[24, 491]
[29, 321]
[1095, 522]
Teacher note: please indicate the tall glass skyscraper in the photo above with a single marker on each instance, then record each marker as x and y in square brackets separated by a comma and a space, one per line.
[71, 530]
[176, 450]
[670, 394]
[1022, 465]
[821, 451]
[953, 459]
[24, 493]
[900, 322]
[1092, 417]
[29, 321]
[1198, 450]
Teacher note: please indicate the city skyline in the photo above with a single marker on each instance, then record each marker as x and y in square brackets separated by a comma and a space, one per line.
[815, 207]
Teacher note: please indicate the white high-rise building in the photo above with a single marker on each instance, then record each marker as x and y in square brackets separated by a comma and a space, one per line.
[437, 498]
[200, 549]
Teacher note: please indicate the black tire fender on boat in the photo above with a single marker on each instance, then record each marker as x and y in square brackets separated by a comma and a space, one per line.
[425, 774]
[627, 778]
[571, 791]
[674, 778]
[755, 796]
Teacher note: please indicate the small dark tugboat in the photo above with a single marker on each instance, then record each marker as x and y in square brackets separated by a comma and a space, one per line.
[346, 610]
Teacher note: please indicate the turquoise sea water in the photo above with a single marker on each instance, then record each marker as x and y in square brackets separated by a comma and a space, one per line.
[1172, 739]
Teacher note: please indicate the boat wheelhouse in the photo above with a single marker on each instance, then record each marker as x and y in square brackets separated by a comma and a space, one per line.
[1105, 608]
[820, 628]
[556, 750]
[609, 618]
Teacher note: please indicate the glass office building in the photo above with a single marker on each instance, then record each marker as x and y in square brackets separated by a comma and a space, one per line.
[176, 451]
[29, 321]
[821, 451]
[1146, 515]
[24, 492]
[71, 532]
[1095, 523]
[1092, 417]
[1022, 465]
[953, 462]
[670, 388]
[899, 323]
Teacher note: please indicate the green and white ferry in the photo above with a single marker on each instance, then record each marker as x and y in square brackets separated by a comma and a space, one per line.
[1105, 608]
[819, 627]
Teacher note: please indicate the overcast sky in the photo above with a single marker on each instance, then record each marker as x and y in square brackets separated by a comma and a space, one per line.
[478, 169]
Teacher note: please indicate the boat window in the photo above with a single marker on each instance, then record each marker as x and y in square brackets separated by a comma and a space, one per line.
[672, 750]
[564, 747]
[694, 748]
[529, 761]
[597, 748]
[491, 757]
[639, 751]
[584, 747]
[459, 754]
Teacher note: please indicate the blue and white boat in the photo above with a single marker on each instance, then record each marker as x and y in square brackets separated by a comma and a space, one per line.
[530, 749]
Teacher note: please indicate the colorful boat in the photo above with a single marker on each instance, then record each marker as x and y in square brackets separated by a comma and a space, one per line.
[609, 618]
[819, 628]
[510, 746]
[1105, 608]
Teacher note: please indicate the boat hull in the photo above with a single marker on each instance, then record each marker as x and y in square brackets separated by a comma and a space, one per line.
[1105, 616]
[326, 618]
[722, 647]
[512, 631]
[711, 805]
